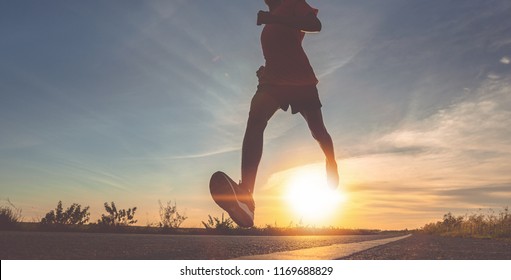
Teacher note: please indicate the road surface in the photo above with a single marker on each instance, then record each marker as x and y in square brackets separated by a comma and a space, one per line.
[72, 245]
[430, 247]
[101, 246]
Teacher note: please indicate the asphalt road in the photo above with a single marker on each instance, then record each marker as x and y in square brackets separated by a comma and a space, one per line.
[62, 245]
[429, 247]
[49, 245]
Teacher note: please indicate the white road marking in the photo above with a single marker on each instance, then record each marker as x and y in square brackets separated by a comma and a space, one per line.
[331, 252]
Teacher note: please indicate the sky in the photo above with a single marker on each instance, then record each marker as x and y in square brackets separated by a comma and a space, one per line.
[140, 101]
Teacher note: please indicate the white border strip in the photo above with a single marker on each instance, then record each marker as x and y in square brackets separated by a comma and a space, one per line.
[331, 252]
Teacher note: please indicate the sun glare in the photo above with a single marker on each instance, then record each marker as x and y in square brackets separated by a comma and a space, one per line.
[311, 198]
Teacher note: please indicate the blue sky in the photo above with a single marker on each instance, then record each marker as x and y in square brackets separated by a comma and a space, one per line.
[140, 101]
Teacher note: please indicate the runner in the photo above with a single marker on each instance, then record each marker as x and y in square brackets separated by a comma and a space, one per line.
[286, 80]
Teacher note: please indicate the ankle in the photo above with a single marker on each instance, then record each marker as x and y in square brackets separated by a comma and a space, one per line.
[331, 162]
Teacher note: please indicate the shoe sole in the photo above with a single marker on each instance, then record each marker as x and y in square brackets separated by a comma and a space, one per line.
[222, 190]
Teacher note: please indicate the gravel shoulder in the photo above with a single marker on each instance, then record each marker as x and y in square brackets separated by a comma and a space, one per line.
[429, 247]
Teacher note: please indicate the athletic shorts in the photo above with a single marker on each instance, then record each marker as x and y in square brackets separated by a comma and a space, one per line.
[300, 98]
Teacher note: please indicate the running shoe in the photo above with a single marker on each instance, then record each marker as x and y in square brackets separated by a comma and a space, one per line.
[233, 198]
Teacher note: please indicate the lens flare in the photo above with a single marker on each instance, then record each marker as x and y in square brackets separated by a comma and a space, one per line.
[311, 198]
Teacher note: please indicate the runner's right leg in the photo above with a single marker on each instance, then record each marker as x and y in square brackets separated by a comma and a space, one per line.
[262, 108]
[314, 119]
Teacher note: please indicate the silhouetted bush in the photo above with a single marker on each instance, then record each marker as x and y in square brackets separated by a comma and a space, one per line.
[116, 217]
[216, 223]
[169, 216]
[9, 216]
[74, 215]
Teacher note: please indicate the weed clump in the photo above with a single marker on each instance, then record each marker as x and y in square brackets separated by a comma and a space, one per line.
[10, 216]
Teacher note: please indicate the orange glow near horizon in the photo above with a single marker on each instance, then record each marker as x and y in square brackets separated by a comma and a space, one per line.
[310, 198]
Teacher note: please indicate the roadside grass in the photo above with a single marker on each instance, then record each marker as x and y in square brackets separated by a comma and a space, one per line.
[254, 231]
[292, 231]
[478, 225]
[75, 218]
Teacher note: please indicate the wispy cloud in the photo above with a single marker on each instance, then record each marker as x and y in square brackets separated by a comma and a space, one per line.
[480, 124]
[207, 154]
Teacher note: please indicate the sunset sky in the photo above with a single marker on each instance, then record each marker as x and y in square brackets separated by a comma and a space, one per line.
[140, 101]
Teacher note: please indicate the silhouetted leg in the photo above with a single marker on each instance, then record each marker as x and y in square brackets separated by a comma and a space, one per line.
[314, 119]
[262, 109]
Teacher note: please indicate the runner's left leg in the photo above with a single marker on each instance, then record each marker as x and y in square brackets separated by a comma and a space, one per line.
[262, 108]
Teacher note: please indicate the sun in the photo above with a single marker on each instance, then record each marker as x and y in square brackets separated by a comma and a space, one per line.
[311, 199]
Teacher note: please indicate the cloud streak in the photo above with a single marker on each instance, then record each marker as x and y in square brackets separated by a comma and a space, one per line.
[479, 124]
